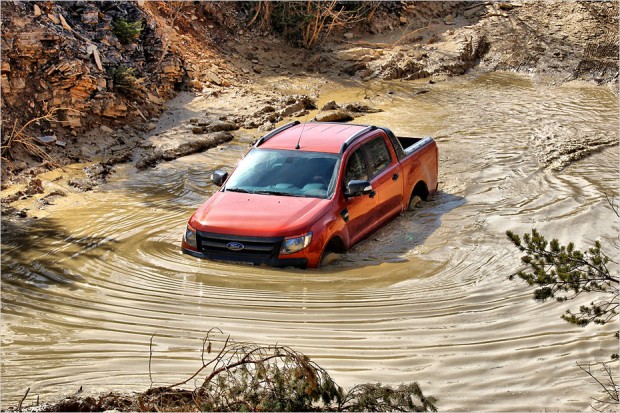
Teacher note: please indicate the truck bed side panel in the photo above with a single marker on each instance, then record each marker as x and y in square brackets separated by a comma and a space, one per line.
[420, 165]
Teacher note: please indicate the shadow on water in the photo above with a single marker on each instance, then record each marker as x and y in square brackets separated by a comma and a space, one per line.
[24, 262]
[400, 238]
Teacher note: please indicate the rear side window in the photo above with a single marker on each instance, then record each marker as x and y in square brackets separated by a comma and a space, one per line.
[356, 167]
[378, 155]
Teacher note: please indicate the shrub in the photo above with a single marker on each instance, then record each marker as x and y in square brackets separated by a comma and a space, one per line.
[124, 78]
[308, 23]
[250, 377]
[564, 272]
[127, 32]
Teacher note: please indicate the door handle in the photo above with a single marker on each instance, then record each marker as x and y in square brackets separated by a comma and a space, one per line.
[395, 177]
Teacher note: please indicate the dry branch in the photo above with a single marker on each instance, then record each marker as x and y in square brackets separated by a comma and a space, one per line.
[19, 406]
[610, 388]
[251, 377]
[19, 136]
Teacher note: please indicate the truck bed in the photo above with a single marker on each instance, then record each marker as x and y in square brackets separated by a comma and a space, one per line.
[404, 145]
[411, 144]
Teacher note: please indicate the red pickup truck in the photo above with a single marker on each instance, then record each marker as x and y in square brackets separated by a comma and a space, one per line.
[307, 190]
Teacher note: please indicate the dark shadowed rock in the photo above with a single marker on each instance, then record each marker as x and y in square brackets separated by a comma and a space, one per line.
[358, 107]
[331, 105]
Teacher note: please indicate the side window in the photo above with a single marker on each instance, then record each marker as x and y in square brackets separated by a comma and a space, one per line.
[378, 155]
[356, 167]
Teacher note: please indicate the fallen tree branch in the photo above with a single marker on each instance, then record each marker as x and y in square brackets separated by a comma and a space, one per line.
[204, 365]
[19, 406]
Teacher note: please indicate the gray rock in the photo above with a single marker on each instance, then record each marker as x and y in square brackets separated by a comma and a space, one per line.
[19, 165]
[334, 116]
[289, 110]
[266, 127]
[221, 125]
[195, 145]
[266, 109]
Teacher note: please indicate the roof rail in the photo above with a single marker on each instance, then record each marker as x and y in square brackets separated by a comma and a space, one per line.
[355, 136]
[275, 132]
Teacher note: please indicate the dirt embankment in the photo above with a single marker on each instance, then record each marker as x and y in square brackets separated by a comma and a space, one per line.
[102, 72]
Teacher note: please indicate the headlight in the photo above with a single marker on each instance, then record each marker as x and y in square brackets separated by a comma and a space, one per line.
[294, 244]
[190, 237]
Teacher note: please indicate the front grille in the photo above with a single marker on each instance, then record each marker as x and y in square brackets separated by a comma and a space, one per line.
[255, 249]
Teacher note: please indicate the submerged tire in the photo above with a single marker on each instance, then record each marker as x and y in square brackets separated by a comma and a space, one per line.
[329, 258]
[415, 200]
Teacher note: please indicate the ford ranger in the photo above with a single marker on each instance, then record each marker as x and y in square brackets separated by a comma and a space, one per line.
[307, 190]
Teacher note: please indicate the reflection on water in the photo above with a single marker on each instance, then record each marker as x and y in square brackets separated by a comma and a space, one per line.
[425, 299]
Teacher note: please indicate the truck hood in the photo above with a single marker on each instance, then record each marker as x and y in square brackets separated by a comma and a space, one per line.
[258, 215]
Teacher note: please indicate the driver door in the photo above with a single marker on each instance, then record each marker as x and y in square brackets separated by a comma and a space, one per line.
[359, 209]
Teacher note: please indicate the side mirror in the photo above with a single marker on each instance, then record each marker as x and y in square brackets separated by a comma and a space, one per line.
[358, 188]
[219, 176]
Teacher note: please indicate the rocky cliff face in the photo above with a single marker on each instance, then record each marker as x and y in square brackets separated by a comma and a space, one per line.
[102, 72]
[65, 56]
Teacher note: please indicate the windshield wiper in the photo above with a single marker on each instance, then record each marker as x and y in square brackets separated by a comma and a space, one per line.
[264, 192]
[279, 193]
[245, 191]
[267, 192]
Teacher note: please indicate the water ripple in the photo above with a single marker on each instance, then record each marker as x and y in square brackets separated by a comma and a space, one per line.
[426, 298]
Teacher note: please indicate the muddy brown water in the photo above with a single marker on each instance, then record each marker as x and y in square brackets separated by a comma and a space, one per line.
[425, 299]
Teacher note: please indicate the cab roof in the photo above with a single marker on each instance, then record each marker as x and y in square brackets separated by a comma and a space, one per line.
[312, 137]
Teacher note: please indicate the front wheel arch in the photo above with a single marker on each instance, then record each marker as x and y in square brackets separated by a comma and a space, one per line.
[332, 251]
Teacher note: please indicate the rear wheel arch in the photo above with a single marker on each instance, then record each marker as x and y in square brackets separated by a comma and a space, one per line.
[418, 193]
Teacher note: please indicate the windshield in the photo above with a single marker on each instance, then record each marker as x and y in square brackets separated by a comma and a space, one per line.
[288, 173]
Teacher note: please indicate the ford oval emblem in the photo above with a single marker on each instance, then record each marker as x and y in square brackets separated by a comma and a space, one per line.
[235, 246]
